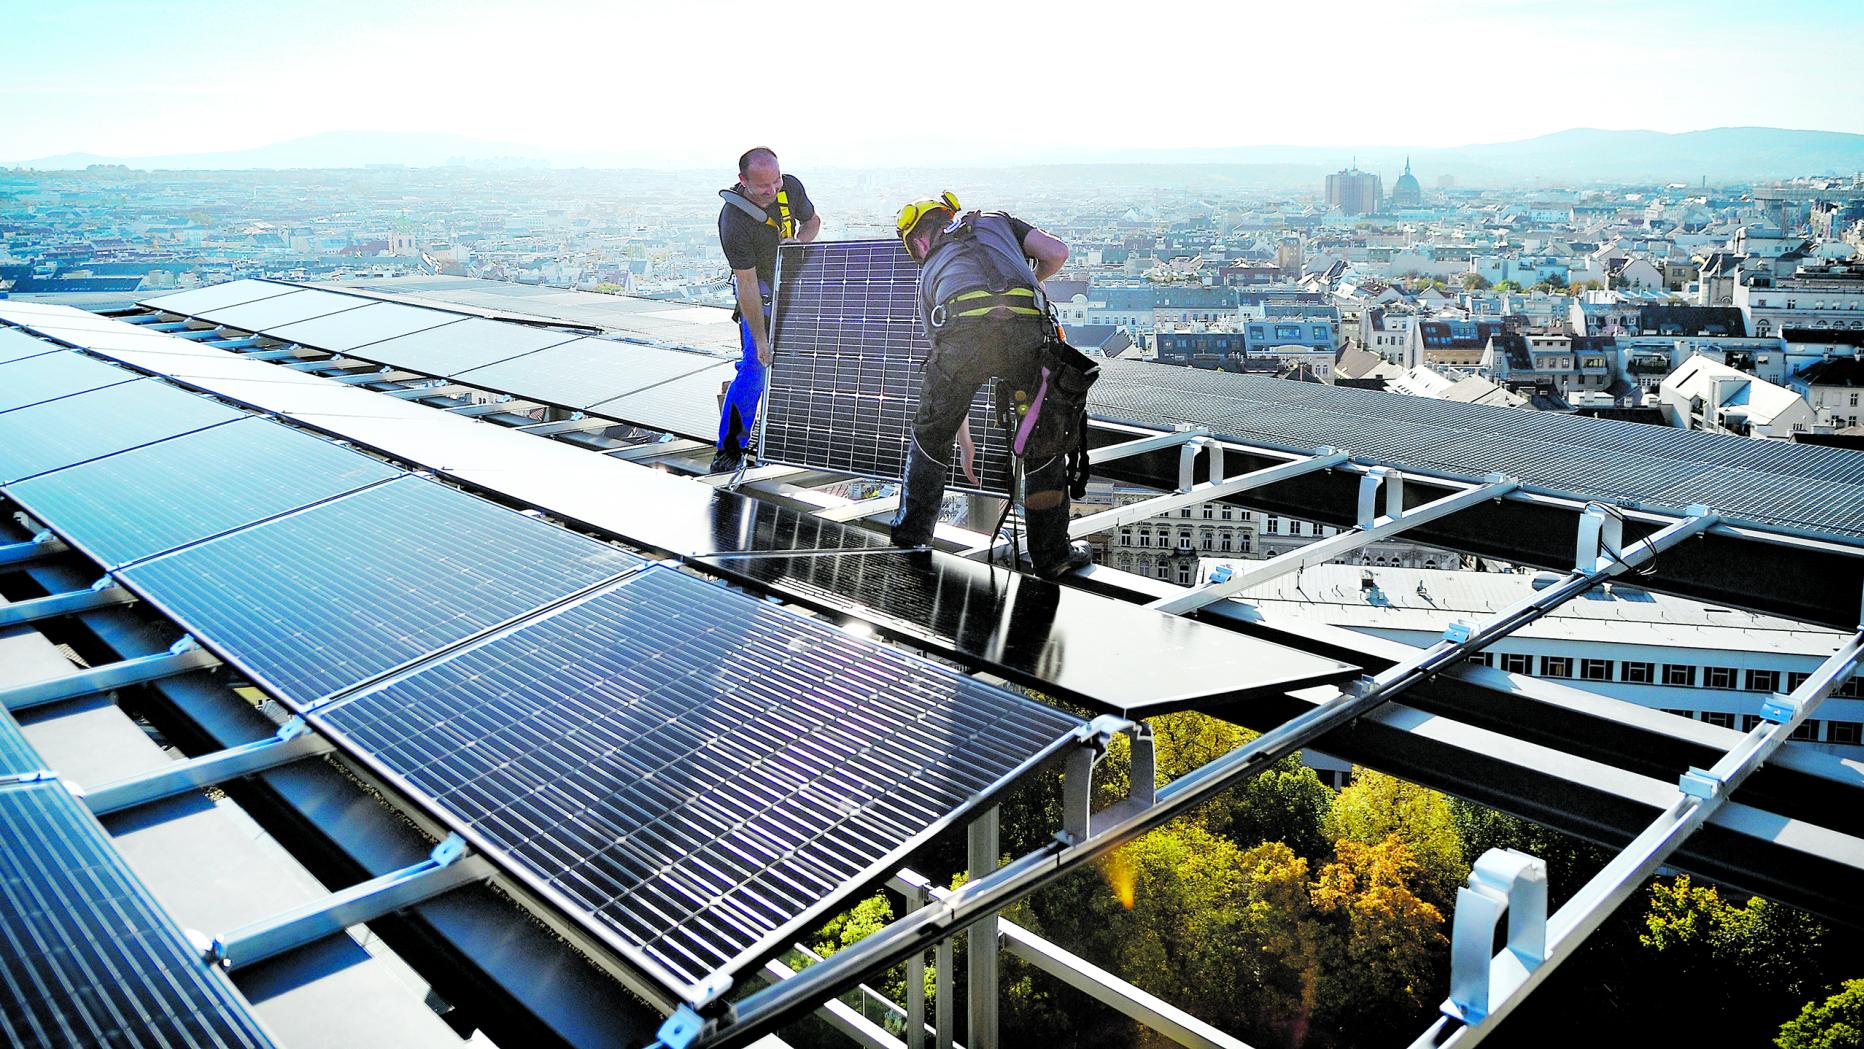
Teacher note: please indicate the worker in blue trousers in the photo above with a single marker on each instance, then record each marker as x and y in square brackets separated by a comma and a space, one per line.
[763, 209]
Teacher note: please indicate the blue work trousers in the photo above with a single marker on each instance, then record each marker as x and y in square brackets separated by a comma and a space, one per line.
[740, 413]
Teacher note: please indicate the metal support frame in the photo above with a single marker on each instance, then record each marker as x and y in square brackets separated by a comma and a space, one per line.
[102, 594]
[1701, 794]
[983, 897]
[423, 392]
[293, 741]
[473, 411]
[837, 1013]
[183, 656]
[983, 965]
[917, 892]
[41, 546]
[321, 364]
[277, 353]
[1371, 530]
[655, 449]
[1188, 494]
[446, 868]
[1108, 452]
[576, 423]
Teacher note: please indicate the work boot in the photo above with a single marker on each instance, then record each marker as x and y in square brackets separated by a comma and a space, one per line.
[1080, 555]
[727, 461]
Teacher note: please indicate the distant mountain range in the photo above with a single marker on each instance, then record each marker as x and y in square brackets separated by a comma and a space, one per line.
[1733, 154]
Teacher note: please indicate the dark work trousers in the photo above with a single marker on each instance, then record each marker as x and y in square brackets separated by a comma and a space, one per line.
[747, 388]
[964, 356]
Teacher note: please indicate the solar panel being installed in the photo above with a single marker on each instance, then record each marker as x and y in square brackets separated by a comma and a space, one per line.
[91, 959]
[319, 601]
[147, 500]
[54, 375]
[1633, 464]
[699, 776]
[849, 352]
[100, 422]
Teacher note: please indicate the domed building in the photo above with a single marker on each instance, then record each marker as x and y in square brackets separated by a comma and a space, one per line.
[1406, 193]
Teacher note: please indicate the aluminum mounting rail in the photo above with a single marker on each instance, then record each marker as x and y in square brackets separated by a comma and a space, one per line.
[102, 594]
[1371, 530]
[1485, 990]
[923, 927]
[182, 657]
[1188, 494]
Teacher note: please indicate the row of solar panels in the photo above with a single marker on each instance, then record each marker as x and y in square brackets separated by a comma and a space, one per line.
[614, 379]
[849, 362]
[695, 776]
[1087, 649]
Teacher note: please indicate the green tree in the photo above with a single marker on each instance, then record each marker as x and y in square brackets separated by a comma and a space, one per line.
[1745, 964]
[1376, 806]
[1473, 281]
[1507, 285]
[1381, 957]
[1835, 1023]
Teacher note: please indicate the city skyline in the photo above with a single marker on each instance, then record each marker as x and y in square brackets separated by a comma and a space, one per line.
[682, 85]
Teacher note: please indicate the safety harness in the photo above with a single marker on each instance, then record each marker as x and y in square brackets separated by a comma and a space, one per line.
[785, 224]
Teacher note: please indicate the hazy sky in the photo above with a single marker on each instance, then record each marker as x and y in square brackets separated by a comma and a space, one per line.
[691, 82]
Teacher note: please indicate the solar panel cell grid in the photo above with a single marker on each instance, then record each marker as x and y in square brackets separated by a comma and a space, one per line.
[16, 755]
[581, 373]
[90, 959]
[322, 600]
[60, 433]
[370, 323]
[700, 773]
[50, 376]
[142, 502]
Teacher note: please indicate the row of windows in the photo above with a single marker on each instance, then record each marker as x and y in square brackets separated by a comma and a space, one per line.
[1812, 729]
[1676, 675]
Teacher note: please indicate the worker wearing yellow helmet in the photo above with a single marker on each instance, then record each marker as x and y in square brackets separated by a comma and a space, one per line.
[981, 301]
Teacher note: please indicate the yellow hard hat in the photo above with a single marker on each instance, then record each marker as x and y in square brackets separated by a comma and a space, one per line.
[912, 214]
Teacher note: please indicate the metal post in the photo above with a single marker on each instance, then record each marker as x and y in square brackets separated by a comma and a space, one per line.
[942, 1021]
[915, 894]
[981, 977]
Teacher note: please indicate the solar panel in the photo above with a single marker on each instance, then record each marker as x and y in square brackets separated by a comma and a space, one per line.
[1626, 463]
[16, 344]
[16, 755]
[686, 405]
[197, 301]
[53, 375]
[848, 356]
[64, 432]
[281, 310]
[91, 959]
[375, 322]
[1066, 642]
[698, 776]
[472, 343]
[141, 502]
[580, 373]
[322, 600]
